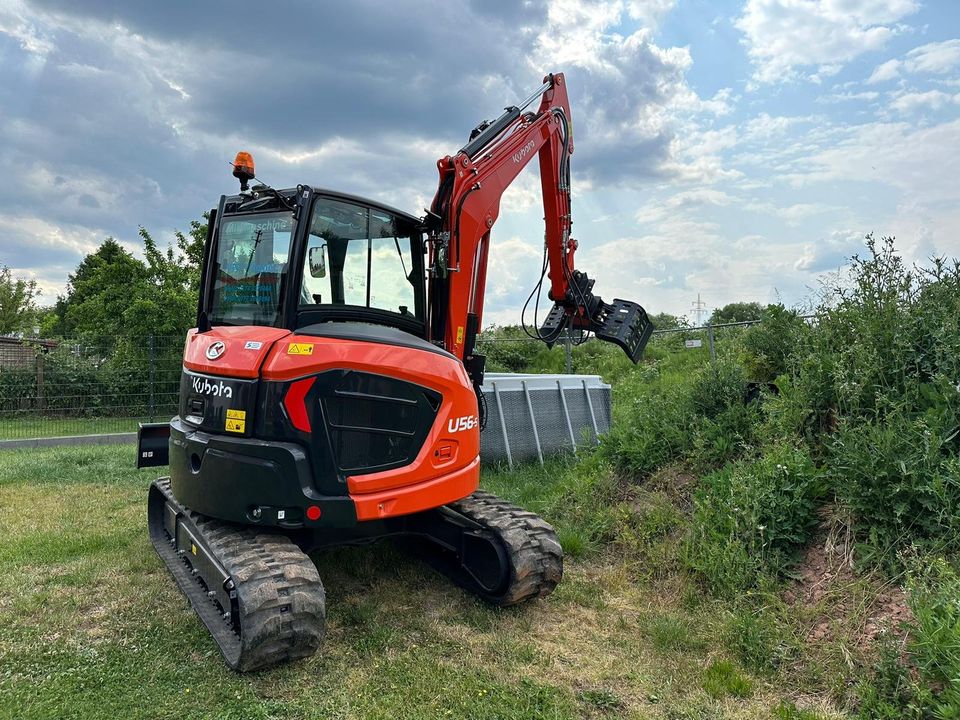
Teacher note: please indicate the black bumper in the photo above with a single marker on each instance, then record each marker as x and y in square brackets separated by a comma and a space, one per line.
[250, 481]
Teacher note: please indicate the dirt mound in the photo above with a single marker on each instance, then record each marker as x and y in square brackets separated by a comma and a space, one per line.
[841, 602]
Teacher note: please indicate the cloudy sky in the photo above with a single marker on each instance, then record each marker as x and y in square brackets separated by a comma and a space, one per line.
[738, 149]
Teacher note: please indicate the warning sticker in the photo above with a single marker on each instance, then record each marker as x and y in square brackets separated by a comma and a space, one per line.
[300, 349]
[236, 426]
[459, 334]
[193, 548]
[237, 414]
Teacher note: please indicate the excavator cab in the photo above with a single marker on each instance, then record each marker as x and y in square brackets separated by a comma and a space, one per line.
[298, 258]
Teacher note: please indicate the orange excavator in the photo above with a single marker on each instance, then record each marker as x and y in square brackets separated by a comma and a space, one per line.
[331, 389]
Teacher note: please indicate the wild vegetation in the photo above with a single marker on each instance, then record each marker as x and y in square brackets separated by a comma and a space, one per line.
[774, 535]
[824, 451]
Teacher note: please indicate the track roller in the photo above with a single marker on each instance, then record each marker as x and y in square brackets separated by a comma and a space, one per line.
[496, 550]
[258, 594]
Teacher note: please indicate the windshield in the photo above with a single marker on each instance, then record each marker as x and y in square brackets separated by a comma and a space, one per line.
[251, 262]
[358, 256]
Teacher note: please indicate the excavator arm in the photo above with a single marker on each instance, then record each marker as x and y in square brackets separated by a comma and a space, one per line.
[466, 207]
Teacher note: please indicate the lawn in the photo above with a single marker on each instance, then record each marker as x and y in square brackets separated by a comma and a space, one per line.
[92, 626]
[40, 427]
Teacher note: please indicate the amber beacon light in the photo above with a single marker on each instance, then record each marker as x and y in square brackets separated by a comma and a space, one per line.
[243, 169]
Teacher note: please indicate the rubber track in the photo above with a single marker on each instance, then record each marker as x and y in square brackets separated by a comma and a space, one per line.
[536, 557]
[280, 599]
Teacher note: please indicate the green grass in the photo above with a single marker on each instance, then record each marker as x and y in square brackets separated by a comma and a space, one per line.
[37, 427]
[92, 626]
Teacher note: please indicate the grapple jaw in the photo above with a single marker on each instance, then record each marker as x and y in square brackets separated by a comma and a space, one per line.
[626, 324]
[622, 322]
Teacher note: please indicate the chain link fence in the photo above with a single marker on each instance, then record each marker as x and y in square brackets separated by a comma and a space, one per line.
[105, 385]
[82, 386]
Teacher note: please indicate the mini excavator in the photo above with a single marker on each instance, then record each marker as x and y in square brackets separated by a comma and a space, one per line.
[330, 391]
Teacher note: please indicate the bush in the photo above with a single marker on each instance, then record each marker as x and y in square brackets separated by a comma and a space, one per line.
[935, 637]
[770, 347]
[900, 480]
[717, 388]
[655, 425]
[749, 518]
[510, 349]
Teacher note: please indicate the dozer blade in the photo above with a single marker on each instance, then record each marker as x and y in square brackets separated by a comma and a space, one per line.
[626, 324]
[258, 594]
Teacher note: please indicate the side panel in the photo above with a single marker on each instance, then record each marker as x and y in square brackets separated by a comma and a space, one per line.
[452, 442]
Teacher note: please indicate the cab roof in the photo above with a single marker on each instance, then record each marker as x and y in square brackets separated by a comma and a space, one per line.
[336, 195]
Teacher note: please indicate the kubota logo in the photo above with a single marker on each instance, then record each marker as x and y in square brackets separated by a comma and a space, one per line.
[216, 350]
[217, 389]
[467, 422]
[523, 152]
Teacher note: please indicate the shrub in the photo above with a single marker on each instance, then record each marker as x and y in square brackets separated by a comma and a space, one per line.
[900, 480]
[716, 389]
[750, 517]
[770, 347]
[725, 437]
[928, 684]
[935, 636]
[510, 349]
[654, 426]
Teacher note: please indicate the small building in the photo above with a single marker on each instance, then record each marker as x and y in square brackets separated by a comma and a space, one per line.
[22, 352]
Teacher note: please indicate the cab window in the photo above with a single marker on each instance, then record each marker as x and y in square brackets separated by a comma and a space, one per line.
[359, 257]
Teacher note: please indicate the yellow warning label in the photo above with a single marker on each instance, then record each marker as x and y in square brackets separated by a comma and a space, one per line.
[237, 414]
[300, 349]
[236, 426]
[459, 334]
[193, 548]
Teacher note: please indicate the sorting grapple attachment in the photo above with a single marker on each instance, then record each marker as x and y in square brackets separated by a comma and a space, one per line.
[623, 323]
[258, 594]
[626, 324]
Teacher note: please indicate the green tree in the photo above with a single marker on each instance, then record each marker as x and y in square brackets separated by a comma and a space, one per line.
[737, 312]
[666, 321]
[113, 296]
[17, 308]
[104, 285]
[169, 302]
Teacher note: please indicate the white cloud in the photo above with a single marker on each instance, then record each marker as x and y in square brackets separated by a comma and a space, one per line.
[883, 72]
[919, 162]
[658, 210]
[650, 12]
[865, 96]
[16, 23]
[634, 99]
[935, 58]
[910, 102]
[783, 36]
[831, 252]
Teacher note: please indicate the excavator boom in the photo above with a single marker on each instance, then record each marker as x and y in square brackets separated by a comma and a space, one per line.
[466, 206]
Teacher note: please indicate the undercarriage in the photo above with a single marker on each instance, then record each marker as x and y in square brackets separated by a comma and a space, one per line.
[260, 595]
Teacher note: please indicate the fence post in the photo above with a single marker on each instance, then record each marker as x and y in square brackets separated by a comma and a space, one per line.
[153, 371]
[568, 351]
[713, 350]
[41, 400]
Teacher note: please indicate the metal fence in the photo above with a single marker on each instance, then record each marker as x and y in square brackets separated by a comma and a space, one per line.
[94, 385]
[82, 386]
